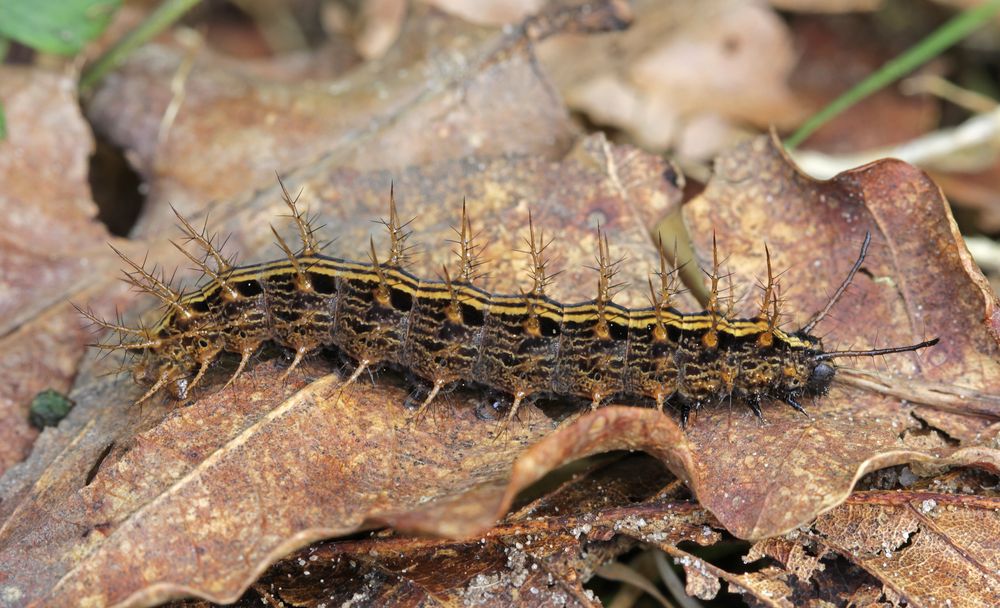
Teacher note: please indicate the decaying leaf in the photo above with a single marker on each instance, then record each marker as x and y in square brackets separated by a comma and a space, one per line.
[44, 249]
[203, 500]
[444, 91]
[539, 555]
[132, 505]
[686, 77]
[267, 466]
[952, 539]
[924, 548]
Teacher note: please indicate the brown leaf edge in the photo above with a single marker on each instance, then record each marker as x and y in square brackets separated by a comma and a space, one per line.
[629, 428]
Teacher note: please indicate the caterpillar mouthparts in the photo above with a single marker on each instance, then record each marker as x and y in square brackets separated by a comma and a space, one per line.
[449, 331]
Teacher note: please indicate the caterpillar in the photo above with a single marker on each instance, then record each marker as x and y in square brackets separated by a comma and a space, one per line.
[449, 331]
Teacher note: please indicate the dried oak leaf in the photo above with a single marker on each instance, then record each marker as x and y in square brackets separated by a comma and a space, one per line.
[687, 76]
[978, 192]
[446, 90]
[918, 281]
[925, 548]
[540, 554]
[48, 228]
[762, 479]
[134, 505]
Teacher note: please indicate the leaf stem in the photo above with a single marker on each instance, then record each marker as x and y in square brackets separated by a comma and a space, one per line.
[166, 14]
[951, 32]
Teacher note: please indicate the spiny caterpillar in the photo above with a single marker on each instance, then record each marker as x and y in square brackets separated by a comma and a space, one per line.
[446, 332]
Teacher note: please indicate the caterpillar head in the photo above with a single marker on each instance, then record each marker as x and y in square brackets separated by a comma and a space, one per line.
[820, 377]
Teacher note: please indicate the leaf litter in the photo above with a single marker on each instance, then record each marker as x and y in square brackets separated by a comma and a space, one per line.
[50, 233]
[238, 465]
[138, 505]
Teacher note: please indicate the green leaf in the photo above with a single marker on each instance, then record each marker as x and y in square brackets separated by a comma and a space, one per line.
[55, 26]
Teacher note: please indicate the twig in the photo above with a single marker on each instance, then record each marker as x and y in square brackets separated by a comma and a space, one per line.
[971, 146]
[932, 84]
[673, 582]
[616, 571]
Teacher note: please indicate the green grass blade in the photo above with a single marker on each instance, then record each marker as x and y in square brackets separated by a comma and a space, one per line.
[930, 47]
[164, 15]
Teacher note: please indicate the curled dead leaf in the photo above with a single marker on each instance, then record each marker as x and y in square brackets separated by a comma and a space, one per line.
[539, 554]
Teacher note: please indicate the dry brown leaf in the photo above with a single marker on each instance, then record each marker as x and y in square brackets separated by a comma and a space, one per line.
[198, 130]
[770, 478]
[930, 548]
[539, 555]
[142, 504]
[926, 548]
[686, 76]
[976, 192]
[48, 231]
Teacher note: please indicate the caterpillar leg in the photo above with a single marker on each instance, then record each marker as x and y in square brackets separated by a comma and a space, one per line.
[362, 366]
[795, 405]
[300, 354]
[202, 368]
[438, 385]
[661, 398]
[164, 378]
[204, 358]
[519, 397]
[685, 412]
[244, 359]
